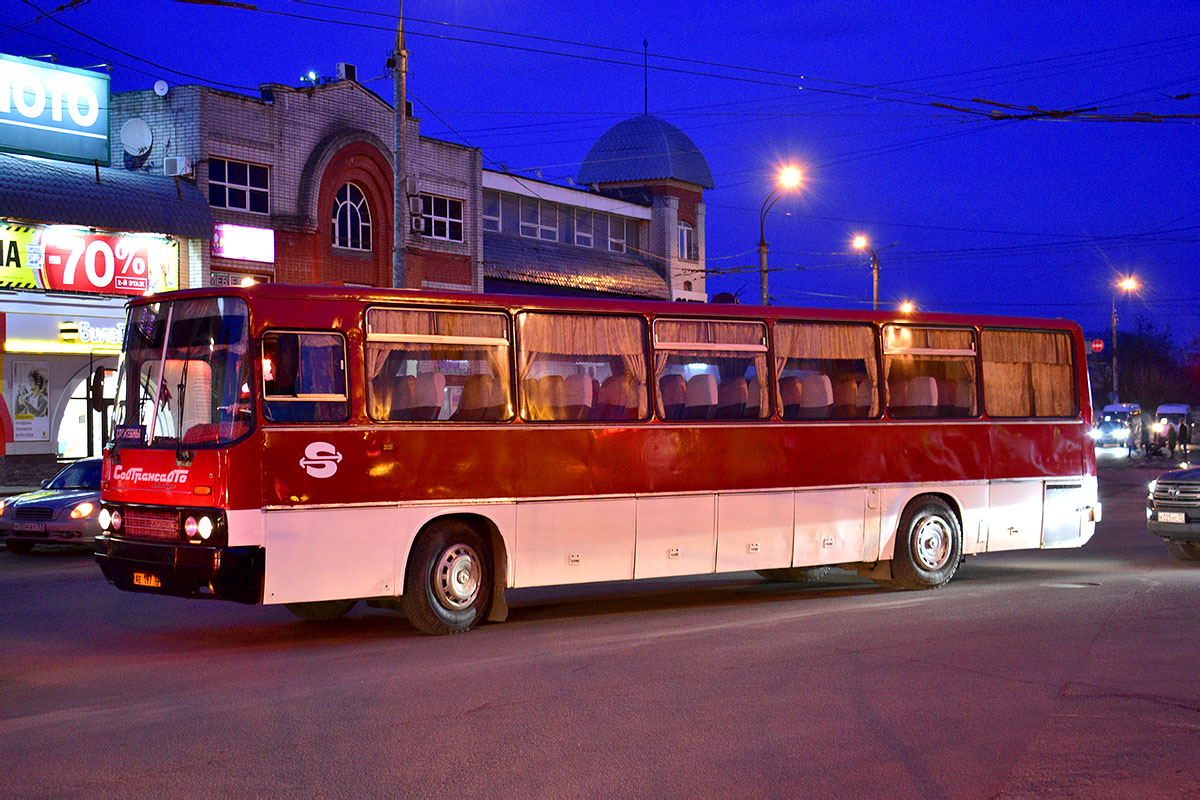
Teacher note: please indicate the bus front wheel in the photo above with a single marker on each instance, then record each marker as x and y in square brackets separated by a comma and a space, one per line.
[448, 580]
[928, 545]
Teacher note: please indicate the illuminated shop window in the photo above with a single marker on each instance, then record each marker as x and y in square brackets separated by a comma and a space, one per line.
[238, 185]
[351, 219]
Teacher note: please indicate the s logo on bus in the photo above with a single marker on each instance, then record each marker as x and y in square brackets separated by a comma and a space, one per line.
[321, 460]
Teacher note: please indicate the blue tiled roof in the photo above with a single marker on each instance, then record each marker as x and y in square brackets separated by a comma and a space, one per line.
[60, 192]
[517, 258]
[644, 148]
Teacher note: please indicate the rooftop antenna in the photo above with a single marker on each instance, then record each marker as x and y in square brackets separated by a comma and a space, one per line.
[646, 75]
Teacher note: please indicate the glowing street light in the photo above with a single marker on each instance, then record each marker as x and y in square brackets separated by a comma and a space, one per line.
[907, 307]
[789, 177]
[1127, 285]
[862, 243]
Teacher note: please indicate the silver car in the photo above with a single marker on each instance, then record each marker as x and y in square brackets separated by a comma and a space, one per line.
[64, 511]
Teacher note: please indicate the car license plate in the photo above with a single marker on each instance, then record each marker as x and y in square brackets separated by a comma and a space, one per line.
[146, 579]
[29, 527]
[1171, 516]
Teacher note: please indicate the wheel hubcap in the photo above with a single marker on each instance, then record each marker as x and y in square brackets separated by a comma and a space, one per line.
[456, 577]
[932, 539]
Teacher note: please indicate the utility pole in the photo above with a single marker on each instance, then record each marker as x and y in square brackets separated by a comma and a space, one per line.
[400, 157]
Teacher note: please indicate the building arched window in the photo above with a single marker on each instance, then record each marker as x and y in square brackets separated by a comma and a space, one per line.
[687, 242]
[351, 219]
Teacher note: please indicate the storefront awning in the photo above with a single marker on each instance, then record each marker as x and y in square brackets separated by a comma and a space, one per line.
[45, 191]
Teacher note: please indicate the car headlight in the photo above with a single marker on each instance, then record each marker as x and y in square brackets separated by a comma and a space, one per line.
[2, 504]
[1121, 433]
[1152, 486]
[1095, 433]
[82, 510]
[1157, 427]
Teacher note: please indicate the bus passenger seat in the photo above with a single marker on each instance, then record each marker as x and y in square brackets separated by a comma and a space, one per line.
[789, 396]
[701, 399]
[554, 395]
[577, 392]
[428, 393]
[611, 401]
[816, 397]
[401, 405]
[946, 390]
[479, 399]
[753, 399]
[672, 390]
[731, 399]
[922, 397]
[845, 398]
[964, 398]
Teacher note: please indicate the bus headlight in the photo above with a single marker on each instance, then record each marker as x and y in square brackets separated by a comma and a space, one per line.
[190, 526]
[116, 520]
[204, 527]
[104, 518]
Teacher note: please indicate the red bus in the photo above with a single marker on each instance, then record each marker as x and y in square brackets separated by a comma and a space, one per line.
[317, 446]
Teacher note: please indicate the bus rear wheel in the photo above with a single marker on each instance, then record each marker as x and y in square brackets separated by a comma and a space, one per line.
[449, 579]
[321, 611]
[1184, 551]
[928, 545]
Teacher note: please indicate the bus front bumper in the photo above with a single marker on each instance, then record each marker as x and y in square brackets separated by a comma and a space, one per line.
[222, 573]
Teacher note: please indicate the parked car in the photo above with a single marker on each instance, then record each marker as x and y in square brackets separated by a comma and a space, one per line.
[1173, 512]
[63, 511]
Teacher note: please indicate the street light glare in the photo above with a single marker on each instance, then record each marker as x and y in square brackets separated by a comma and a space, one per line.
[859, 242]
[790, 177]
[1129, 284]
[907, 307]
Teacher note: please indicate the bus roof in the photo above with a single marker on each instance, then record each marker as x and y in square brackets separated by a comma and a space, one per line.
[271, 292]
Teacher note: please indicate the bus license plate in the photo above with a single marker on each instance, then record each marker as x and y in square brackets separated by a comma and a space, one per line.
[29, 527]
[1171, 516]
[146, 579]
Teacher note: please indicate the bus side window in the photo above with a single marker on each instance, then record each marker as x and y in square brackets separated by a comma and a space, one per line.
[929, 372]
[826, 370]
[1028, 374]
[426, 365]
[582, 367]
[304, 377]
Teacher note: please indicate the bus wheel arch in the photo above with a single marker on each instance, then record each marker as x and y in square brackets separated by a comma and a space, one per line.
[454, 567]
[928, 543]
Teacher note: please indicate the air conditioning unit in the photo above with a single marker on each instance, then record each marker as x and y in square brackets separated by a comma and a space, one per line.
[346, 72]
[414, 206]
[177, 165]
[418, 224]
[410, 186]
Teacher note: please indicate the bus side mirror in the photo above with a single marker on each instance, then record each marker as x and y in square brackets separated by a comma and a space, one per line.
[96, 391]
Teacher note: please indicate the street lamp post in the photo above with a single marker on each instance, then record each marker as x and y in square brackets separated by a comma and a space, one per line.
[1128, 285]
[861, 243]
[789, 178]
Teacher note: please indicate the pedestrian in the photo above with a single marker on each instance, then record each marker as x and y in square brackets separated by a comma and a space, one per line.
[1185, 438]
[1172, 438]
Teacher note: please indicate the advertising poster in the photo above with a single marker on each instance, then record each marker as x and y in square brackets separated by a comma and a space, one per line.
[73, 259]
[31, 401]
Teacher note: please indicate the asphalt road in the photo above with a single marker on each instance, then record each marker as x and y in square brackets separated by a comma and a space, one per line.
[1031, 674]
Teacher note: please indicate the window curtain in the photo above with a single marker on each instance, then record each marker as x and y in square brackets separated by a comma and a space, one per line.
[1028, 374]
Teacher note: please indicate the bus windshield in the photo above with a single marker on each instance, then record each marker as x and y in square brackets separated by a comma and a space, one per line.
[184, 374]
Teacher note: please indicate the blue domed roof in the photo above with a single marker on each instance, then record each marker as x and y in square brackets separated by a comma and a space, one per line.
[644, 148]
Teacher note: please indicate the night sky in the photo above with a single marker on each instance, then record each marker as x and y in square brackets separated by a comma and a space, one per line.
[1009, 215]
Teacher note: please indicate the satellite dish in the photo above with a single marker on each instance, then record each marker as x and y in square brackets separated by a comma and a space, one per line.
[136, 137]
[160, 88]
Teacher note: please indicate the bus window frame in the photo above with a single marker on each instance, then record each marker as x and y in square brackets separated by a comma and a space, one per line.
[974, 353]
[508, 342]
[644, 323]
[1074, 372]
[345, 397]
[765, 347]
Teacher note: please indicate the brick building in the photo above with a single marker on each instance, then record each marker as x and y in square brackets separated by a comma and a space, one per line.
[299, 181]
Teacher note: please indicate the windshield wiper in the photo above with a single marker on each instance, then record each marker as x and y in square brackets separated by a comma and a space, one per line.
[179, 456]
